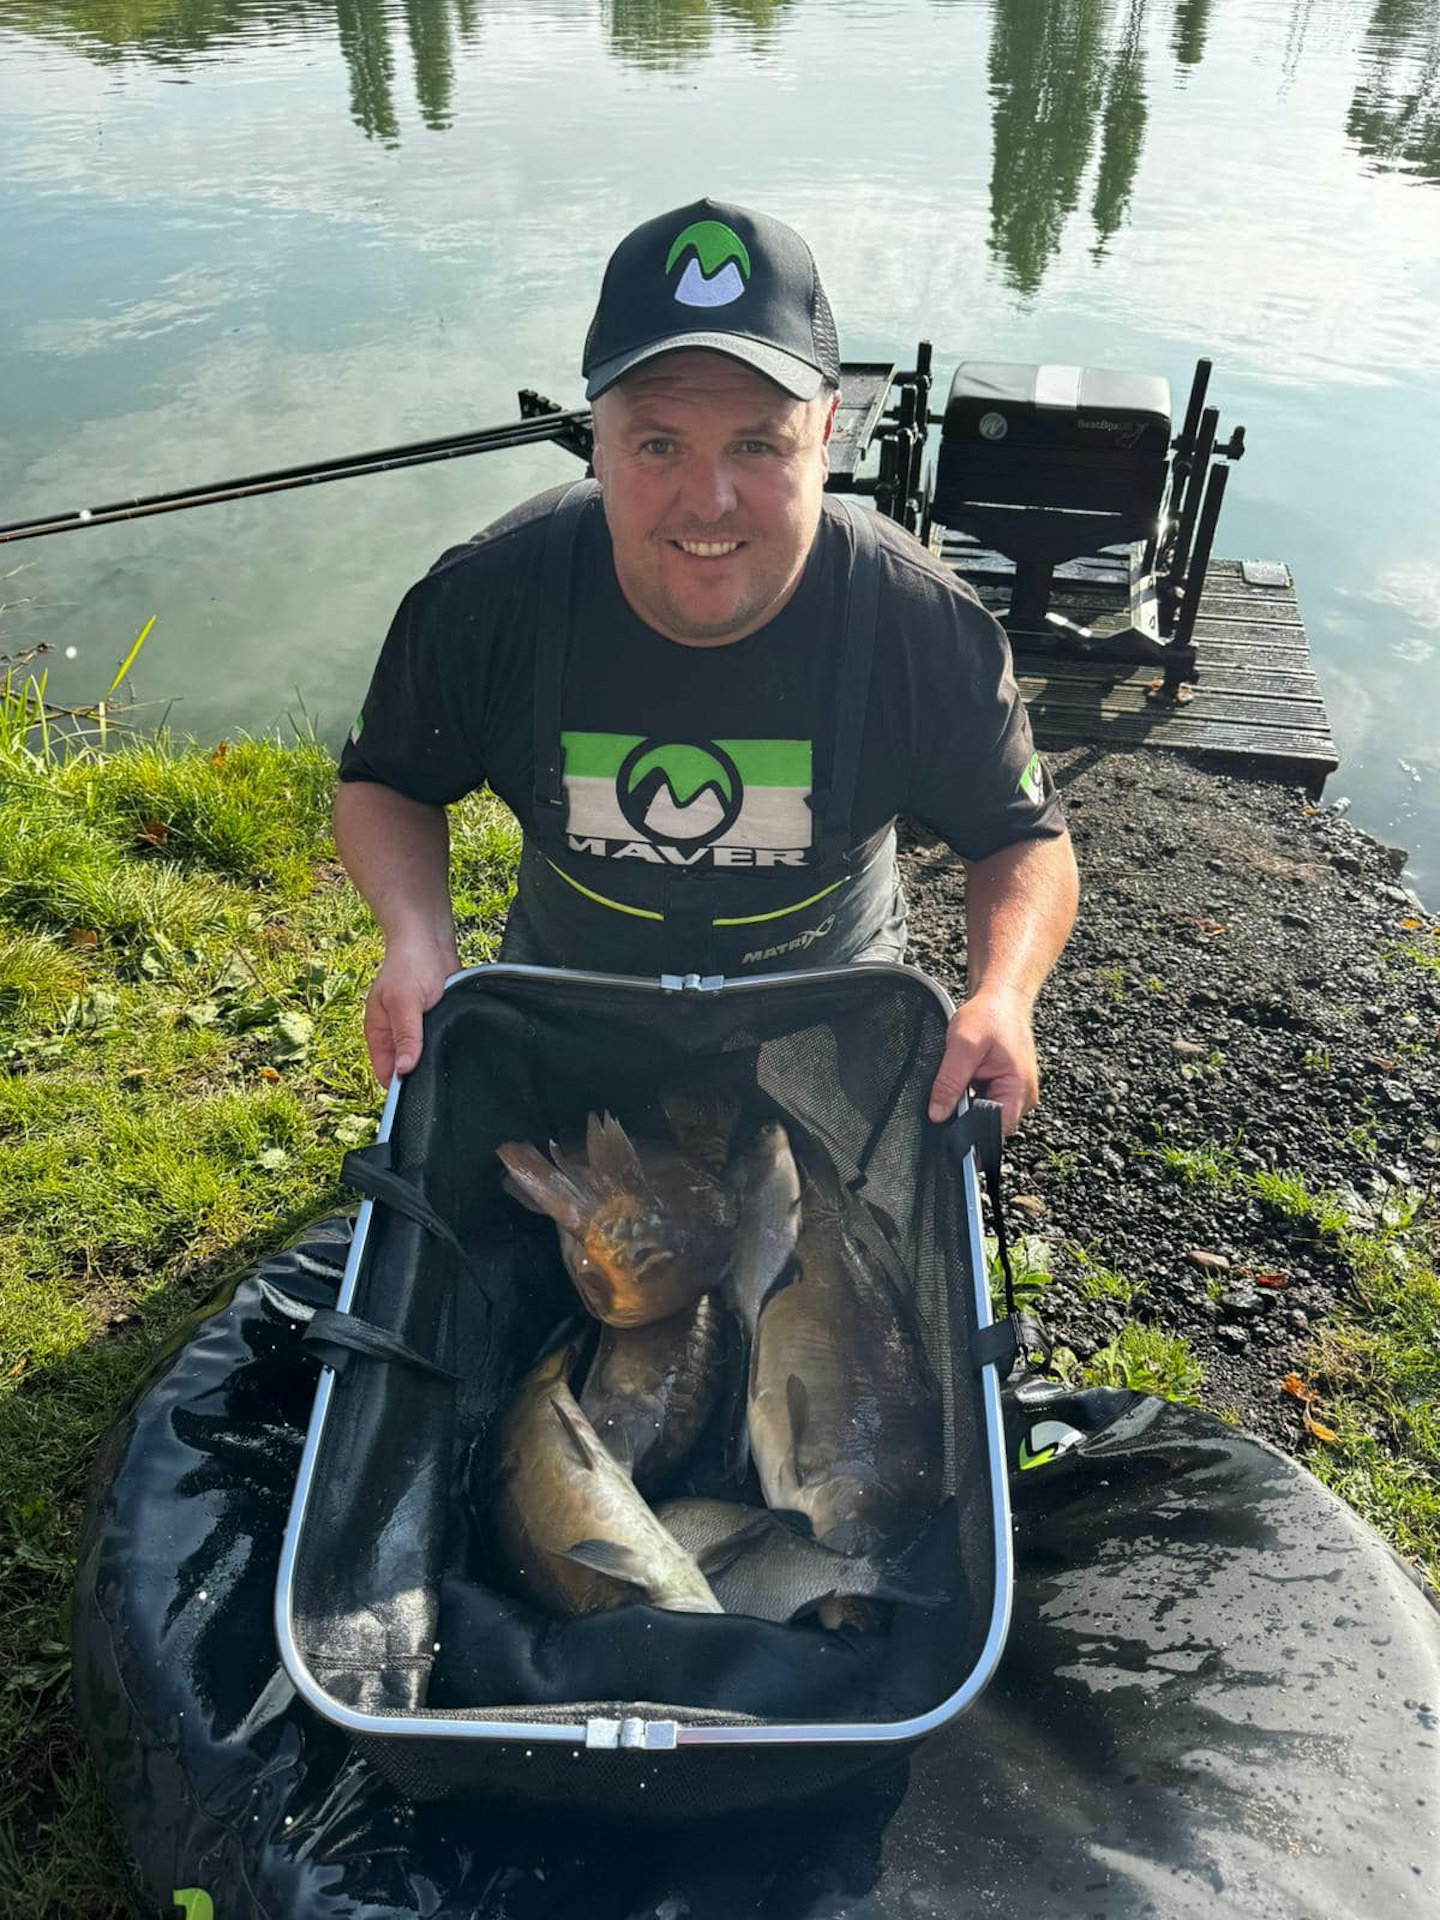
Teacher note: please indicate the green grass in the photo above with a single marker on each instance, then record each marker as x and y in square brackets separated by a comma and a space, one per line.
[1146, 1359]
[1206, 1165]
[1375, 1432]
[1098, 1282]
[182, 973]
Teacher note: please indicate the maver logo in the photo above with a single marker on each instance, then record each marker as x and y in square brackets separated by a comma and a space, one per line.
[685, 793]
[717, 264]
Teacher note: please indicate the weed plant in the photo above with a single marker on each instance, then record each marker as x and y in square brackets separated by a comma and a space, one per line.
[182, 973]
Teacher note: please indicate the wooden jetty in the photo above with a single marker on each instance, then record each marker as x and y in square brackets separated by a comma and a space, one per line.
[1254, 700]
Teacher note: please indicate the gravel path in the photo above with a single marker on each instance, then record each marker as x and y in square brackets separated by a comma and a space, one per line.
[1235, 982]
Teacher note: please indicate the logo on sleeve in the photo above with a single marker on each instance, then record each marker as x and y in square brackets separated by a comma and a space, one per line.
[717, 265]
[1032, 781]
[723, 803]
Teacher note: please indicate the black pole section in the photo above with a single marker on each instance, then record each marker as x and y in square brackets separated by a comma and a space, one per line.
[1194, 489]
[1185, 445]
[519, 433]
[1204, 540]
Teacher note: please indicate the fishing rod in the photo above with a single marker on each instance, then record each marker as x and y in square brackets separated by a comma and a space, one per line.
[541, 420]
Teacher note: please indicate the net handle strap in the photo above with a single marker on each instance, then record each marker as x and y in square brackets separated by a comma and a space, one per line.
[370, 1172]
[977, 1127]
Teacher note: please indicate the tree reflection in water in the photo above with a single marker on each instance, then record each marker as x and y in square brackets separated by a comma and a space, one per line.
[673, 33]
[1047, 86]
[1065, 77]
[365, 43]
[1394, 118]
[1122, 132]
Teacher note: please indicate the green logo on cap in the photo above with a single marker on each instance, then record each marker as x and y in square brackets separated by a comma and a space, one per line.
[718, 266]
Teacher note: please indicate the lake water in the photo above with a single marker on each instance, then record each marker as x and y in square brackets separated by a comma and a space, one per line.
[240, 234]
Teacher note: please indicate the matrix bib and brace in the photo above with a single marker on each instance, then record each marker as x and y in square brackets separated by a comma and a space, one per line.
[844, 903]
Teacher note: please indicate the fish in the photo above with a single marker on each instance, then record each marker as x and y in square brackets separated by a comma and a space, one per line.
[759, 1566]
[568, 1520]
[767, 1189]
[650, 1390]
[766, 1183]
[844, 1413]
[644, 1229]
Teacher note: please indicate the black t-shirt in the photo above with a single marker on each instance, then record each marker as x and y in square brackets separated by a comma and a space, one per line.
[709, 752]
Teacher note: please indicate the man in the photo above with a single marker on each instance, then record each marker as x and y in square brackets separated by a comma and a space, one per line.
[706, 689]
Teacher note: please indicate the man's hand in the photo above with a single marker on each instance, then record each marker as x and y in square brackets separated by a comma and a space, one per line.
[397, 852]
[1019, 909]
[410, 981]
[989, 1044]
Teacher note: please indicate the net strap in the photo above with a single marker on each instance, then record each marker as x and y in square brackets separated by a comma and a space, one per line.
[977, 1128]
[370, 1172]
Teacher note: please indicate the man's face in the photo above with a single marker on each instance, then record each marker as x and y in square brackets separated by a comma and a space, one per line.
[712, 479]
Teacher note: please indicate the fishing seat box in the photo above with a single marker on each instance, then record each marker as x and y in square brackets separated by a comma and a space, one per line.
[392, 1617]
[1081, 441]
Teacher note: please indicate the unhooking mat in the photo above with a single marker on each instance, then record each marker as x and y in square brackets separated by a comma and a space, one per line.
[1220, 1696]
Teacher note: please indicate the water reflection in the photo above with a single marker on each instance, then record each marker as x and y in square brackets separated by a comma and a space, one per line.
[1187, 38]
[1122, 133]
[1064, 75]
[673, 33]
[1394, 118]
[365, 43]
[651, 33]
[1048, 75]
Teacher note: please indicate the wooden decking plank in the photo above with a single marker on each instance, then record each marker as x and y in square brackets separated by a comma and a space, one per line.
[1292, 683]
[1219, 709]
[1254, 744]
[1256, 700]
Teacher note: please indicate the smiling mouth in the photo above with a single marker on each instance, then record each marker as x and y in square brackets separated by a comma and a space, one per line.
[708, 549]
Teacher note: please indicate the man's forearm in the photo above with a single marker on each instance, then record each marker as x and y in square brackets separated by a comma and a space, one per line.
[1020, 905]
[397, 851]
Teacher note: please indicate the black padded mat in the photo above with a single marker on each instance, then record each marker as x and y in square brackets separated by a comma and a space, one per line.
[1220, 1696]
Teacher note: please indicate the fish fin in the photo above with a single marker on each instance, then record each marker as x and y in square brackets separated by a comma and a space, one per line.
[619, 1443]
[513, 1187]
[544, 1188]
[793, 1521]
[797, 1405]
[929, 1599]
[703, 1124]
[856, 1539]
[611, 1559]
[724, 1553]
[572, 1165]
[614, 1164]
[579, 1432]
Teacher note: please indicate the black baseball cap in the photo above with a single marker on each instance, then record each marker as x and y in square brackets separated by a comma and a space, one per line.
[716, 276]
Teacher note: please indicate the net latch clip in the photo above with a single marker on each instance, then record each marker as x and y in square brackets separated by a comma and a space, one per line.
[650, 1736]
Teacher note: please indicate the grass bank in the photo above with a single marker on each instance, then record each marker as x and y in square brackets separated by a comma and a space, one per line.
[182, 970]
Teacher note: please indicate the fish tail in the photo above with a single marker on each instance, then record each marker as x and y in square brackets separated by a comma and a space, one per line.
[543, 1188]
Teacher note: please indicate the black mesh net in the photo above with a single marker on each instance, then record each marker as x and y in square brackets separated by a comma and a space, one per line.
[401, 1605]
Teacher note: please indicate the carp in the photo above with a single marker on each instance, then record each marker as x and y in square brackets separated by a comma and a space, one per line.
[576, 1535]
[844, 1413]
[644, 1229]
[650, 1390]
[760, 1566]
